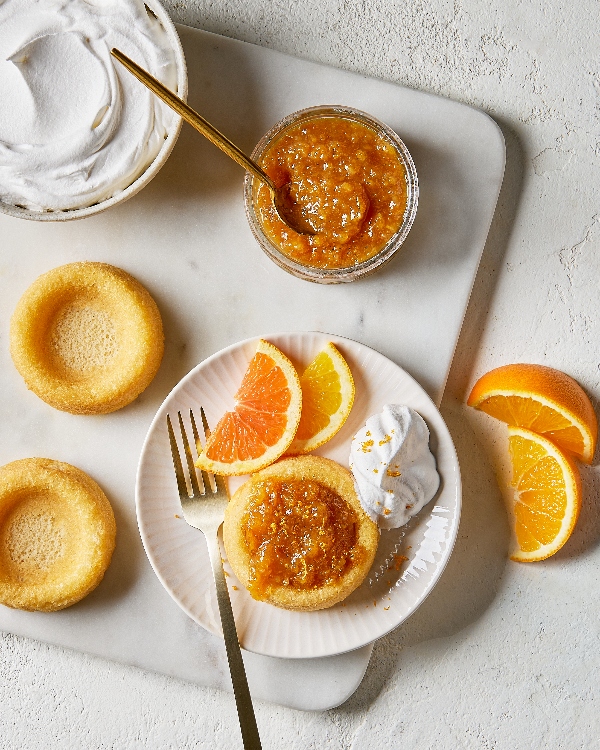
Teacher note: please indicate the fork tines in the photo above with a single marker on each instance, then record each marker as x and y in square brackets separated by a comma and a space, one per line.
[207, 484]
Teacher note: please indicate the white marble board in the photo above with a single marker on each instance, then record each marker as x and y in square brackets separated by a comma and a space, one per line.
[186, 239]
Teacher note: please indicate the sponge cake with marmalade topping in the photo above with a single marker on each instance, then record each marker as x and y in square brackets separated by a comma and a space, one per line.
[296, 535]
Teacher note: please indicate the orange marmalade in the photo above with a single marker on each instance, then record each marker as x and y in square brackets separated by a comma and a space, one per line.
[347, 181]
[298, 533]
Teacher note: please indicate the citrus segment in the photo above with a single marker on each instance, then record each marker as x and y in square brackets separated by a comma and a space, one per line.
[547, 495]
[264, 420]
[543, 400]
[327, 397]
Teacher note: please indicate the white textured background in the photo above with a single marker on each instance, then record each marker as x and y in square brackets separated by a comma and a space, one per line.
[501, 655]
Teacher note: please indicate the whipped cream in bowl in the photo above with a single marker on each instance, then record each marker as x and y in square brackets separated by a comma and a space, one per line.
[77, 132]
[394, 469]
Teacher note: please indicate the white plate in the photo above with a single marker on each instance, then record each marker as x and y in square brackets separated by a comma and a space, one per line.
[394, 588]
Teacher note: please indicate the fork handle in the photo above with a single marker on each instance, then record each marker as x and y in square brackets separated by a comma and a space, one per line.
[237, 670]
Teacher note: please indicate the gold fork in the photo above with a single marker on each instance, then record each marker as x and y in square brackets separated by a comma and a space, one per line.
[204, 509]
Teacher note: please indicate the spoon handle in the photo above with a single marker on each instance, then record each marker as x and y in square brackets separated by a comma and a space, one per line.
[193, 118]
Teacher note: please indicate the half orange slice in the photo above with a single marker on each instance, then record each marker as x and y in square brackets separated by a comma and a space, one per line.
[547, 495]
[327, 397]
[541, 399]
[264, 421]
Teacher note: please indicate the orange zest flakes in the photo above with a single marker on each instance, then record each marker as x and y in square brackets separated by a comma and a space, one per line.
[398, 560]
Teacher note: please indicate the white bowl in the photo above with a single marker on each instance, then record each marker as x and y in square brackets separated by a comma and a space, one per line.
[144, 178]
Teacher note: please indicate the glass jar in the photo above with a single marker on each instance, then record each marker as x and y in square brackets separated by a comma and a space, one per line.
[316, 273]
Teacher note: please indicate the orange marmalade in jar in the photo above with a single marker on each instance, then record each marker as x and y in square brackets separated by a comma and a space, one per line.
[350, 178]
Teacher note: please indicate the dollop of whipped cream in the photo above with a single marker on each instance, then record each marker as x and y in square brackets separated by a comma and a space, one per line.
[74, 129]
[393, 467]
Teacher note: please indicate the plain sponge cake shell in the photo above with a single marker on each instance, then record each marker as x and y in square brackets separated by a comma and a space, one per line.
[302, 468]
[87, 338]
[57, 534]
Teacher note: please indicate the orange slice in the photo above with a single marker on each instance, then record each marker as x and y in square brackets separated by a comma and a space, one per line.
[327, 397]
[543, 400]
[264, 421]
[547, 495]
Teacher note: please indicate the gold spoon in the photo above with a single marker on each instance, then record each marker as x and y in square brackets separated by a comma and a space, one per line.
[285, 205]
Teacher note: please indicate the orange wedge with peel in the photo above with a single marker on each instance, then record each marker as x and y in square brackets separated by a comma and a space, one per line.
[263, 423]
[327, 398]
[541, 399]
[547, 495]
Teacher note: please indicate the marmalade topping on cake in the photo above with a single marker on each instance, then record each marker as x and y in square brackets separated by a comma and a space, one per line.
[298, 533]
[348, 183]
